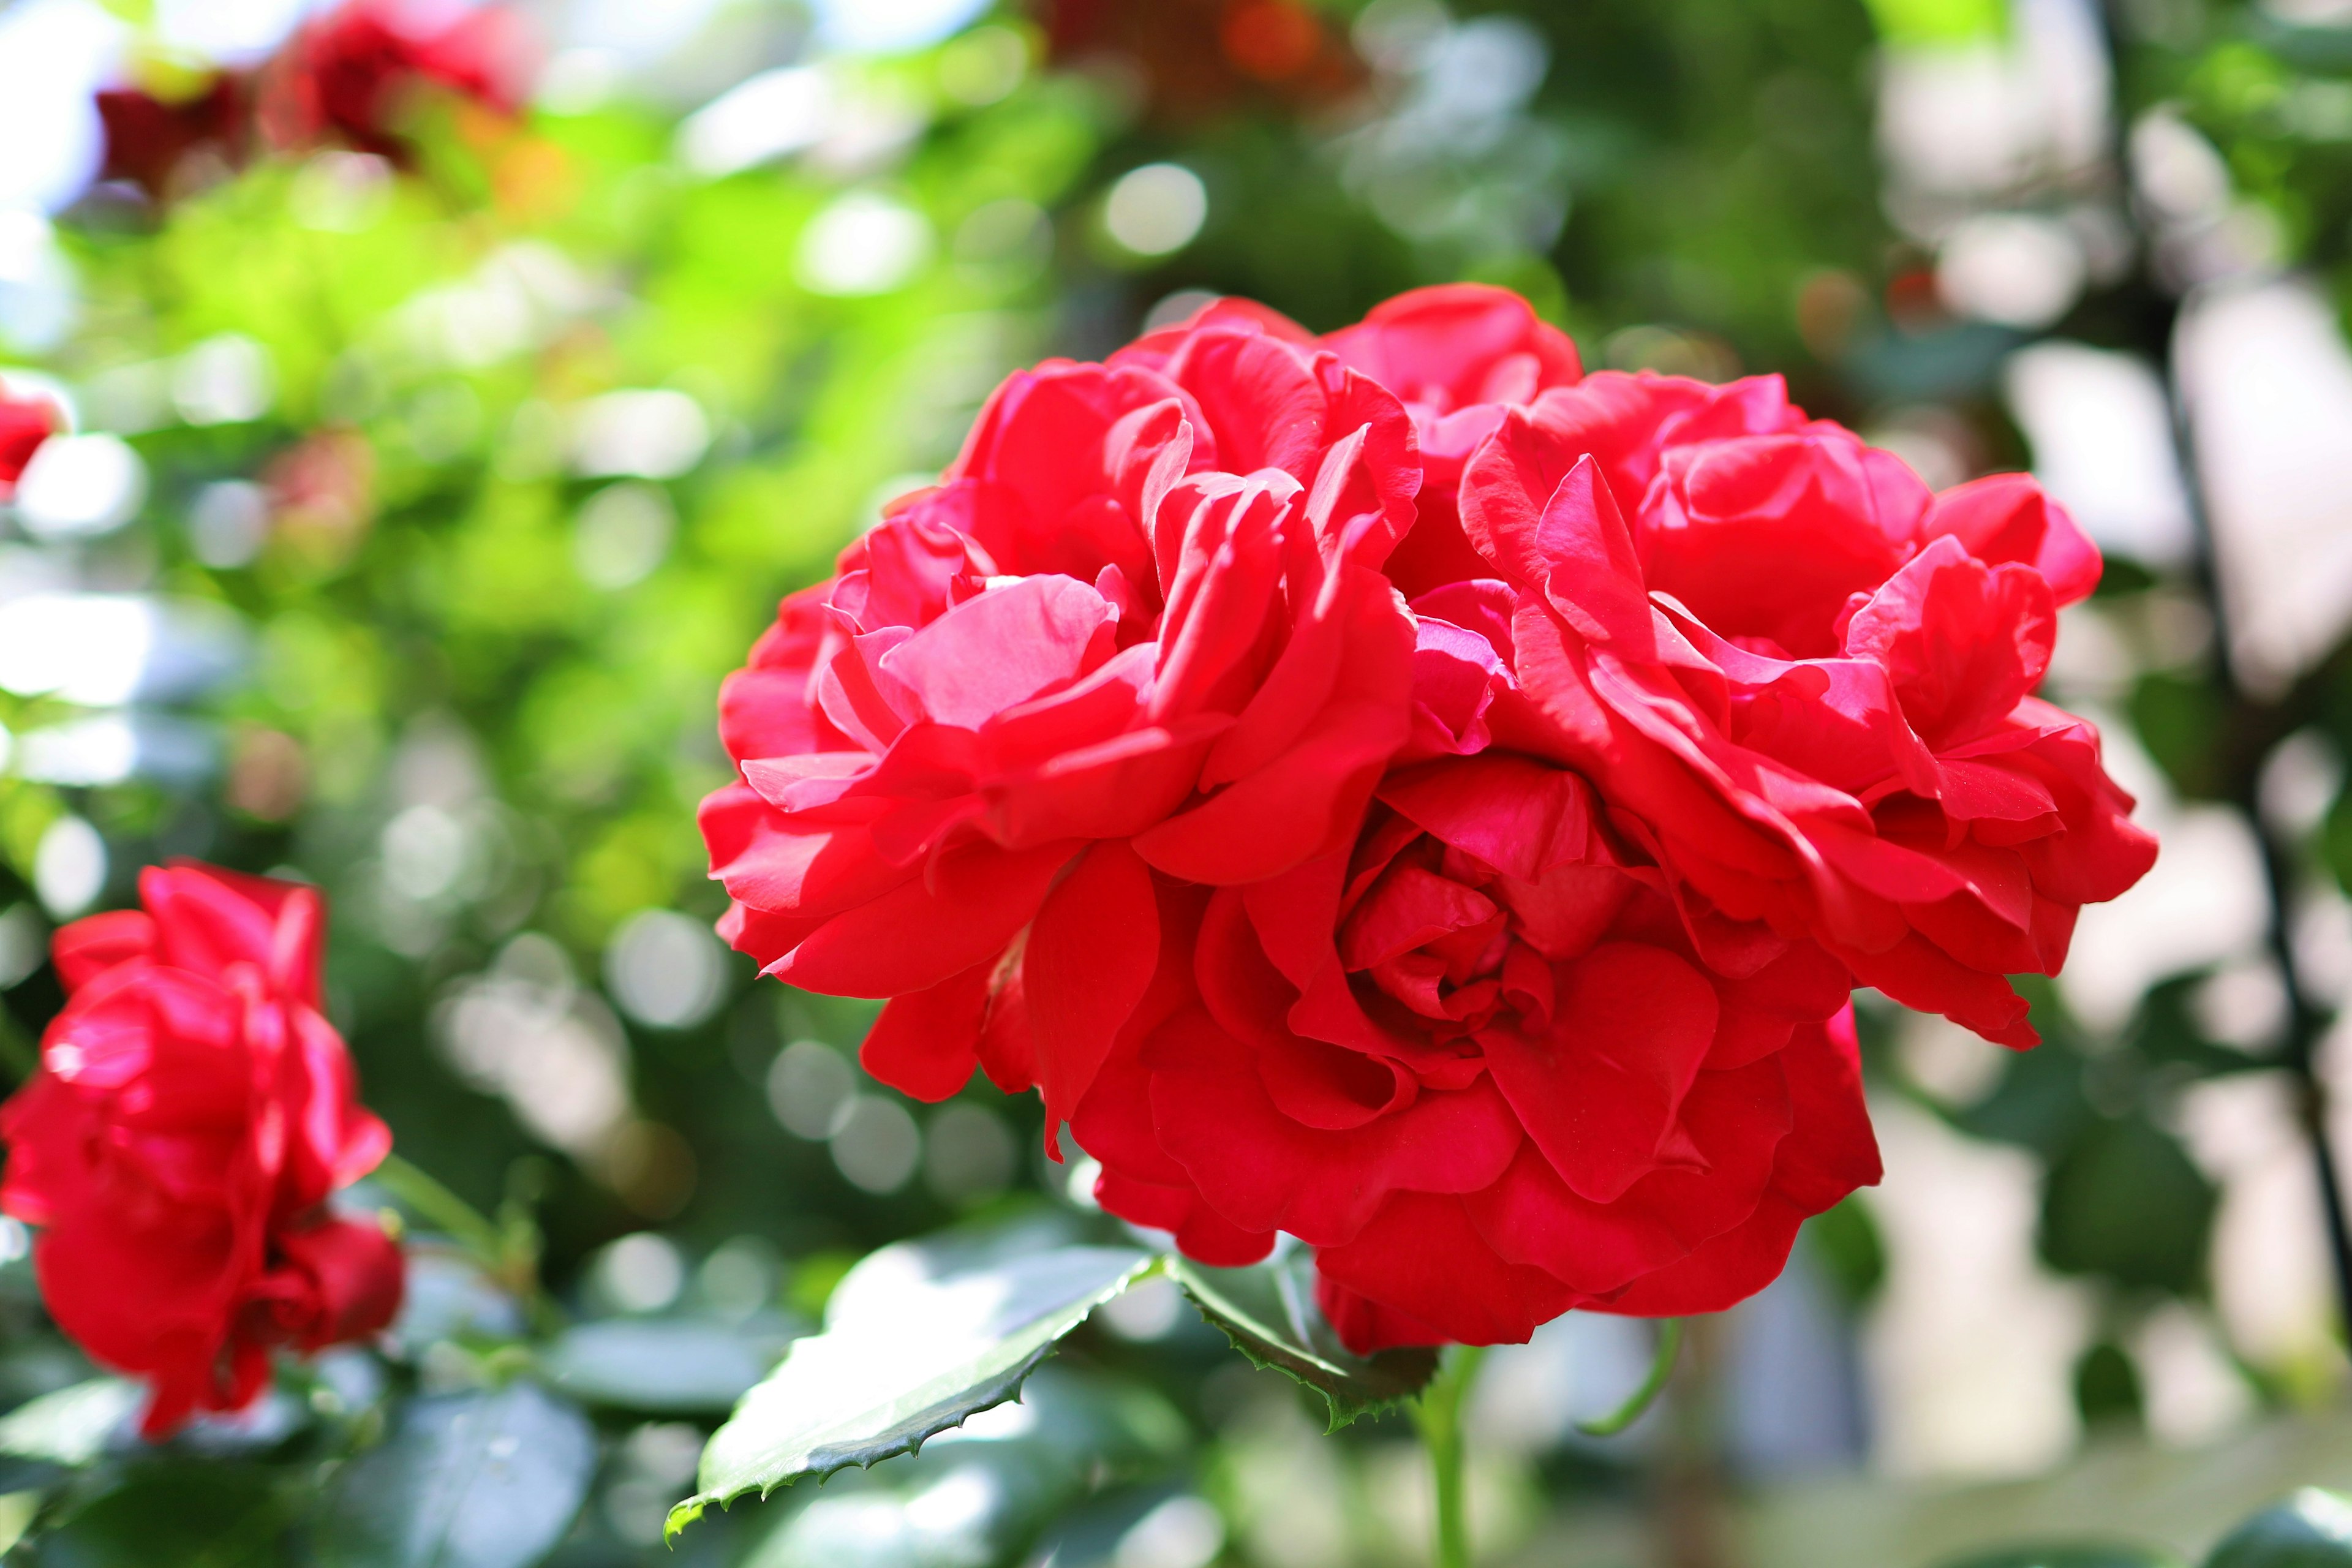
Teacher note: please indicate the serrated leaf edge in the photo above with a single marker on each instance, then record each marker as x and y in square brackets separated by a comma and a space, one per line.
[1245, 1336]
[1011, 1382]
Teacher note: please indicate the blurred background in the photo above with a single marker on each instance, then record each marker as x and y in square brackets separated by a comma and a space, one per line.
[450, 413]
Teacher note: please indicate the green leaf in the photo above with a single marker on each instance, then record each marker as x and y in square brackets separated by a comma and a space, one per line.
[919, 1337]
[486, 1479]
[681, 1366]
[2311, 1528]
[2074, 1555]
[2125, 1201]
[206, 1514]
[18, 1512]
[1268, 1312]
[71, 1425]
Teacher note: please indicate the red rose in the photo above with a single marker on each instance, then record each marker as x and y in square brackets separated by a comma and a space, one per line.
[191, 1113]
[1804, 684]
[1497, 943]
[148, 138]
[355, 73]
[25, 423]
[1457, 356]
[1140, 626]
[1475, 1059]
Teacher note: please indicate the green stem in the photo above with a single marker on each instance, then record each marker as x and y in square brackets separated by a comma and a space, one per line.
[1438, 1414]
[1662, 1366]
[444, 1210]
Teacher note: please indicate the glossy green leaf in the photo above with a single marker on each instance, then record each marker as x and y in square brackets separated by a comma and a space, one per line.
[70, 1426]
[918, 1338]
[2311, 1528]
[486, 1479]
[663, 1366]
[1268, 1312]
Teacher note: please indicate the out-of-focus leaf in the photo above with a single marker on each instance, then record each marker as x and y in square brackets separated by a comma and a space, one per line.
[1846, 1245]
[913, 1346]
[2124, 1201]
[2074, 1555]
[2336, 839]
[1268, 1312]
[449, 1297]
[1940, 23]
[2107, 1388]
[2167, 1034]
[488, 1480]
[70, 1426]
[2039, 1102]
[2178, 720]
[663, 1366]
[218, 1515]
[2311, 1528]
[18, 1511]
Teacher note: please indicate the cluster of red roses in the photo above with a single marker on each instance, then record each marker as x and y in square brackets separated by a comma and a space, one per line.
[350, 76]
[1396, 790]
[191, 1116]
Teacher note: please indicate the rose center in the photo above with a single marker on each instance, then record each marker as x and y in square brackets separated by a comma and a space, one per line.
[1432, 947]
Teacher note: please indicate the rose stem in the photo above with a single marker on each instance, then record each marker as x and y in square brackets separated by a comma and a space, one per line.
[1438, 1414]
[438, 1205]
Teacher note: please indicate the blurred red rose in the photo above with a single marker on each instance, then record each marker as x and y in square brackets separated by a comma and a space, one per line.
[354, 75]
[1194, 59]
[25, 423]
[1139, 625]
[1803, 683]
[192, 1114]
[148, 138]
[1475, 1061]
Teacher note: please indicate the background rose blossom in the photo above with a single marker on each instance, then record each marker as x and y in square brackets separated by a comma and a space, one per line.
[191, 1117]
[355, 73]
[25, 423]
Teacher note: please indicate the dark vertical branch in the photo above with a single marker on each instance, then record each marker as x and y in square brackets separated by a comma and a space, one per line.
[2256, 728]
[2255, 725]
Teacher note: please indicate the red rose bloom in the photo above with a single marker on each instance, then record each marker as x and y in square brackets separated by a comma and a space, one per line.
[355, 73]
[1475, 1059]
[1284, 752]
[1802, 682]
[1139, 625]
[1457, 356]
[191, 1113]
[25, 423]
[148, 138]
